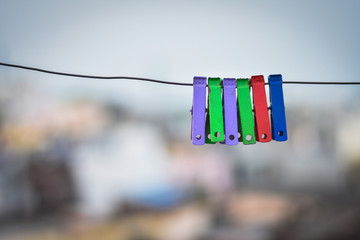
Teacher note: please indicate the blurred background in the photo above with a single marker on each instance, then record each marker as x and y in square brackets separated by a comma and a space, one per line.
[109, 159]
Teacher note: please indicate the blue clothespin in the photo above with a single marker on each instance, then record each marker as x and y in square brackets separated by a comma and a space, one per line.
[278, 120]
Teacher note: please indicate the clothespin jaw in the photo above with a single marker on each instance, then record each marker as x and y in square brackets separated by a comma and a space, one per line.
[207, 129]
[215, 110]
[278, 119]
[246, 116]
[262, 122]
[198, 111]
[230, 112]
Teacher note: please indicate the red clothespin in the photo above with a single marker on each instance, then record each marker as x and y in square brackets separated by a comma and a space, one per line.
[262, 122]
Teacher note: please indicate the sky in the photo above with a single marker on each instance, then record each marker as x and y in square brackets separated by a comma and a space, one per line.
[176, 40]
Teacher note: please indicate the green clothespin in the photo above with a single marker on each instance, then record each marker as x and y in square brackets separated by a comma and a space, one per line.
[216, 110]
[245, 112]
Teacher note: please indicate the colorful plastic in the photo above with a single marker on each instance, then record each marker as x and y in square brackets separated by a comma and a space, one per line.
[262, 122]
[246, 117]
[215, 110]
[230, 112]
[198, 111]
[278, 119]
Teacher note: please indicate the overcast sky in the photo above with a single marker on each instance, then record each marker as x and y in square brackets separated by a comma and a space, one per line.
[174, 41]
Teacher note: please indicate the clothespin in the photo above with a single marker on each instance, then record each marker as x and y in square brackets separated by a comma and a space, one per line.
[198, 111]
[262, 122]
[246, 117]
[215, 110]
[230, 112]
[278, 120]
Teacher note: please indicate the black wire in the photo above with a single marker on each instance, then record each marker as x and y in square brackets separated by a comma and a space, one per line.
[91, 76]
[321, 83]
[152, 80]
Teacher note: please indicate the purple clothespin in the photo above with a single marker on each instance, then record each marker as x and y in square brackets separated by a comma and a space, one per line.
[198, 111]
[230, 111]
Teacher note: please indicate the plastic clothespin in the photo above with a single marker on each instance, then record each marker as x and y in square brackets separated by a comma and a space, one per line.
[230, 112]
[278, 119]
[198, 111]
[262, 126]
[215, 110]
[246, 117]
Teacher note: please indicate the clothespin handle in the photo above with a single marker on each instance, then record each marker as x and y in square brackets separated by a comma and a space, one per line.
[230, 112]
[262, 127]
[198, 111]
[215, 110]
[246, 116]
[278, 119]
